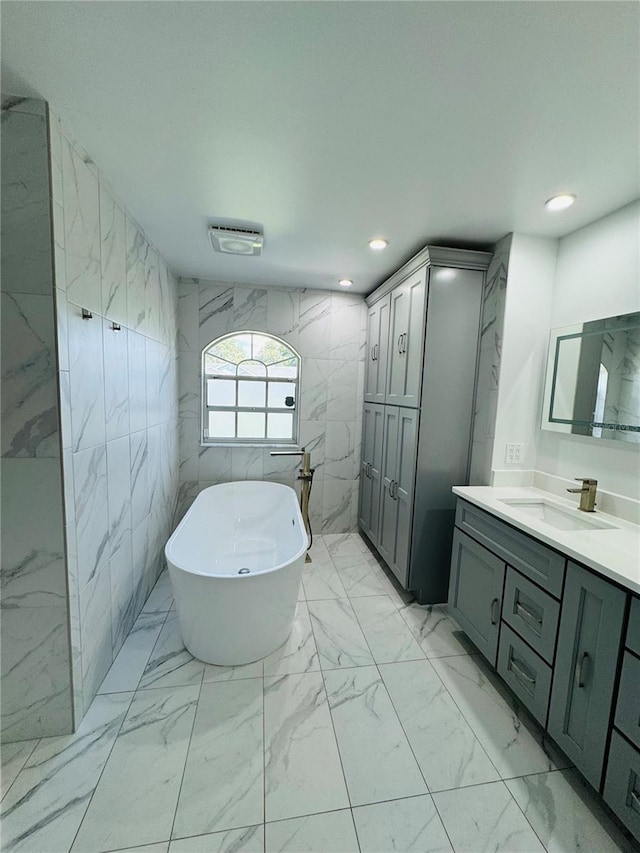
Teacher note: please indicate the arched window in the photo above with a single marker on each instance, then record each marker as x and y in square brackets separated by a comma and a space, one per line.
[250, 384]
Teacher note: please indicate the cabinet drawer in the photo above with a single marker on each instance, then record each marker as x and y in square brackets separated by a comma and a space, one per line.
[622, 784]
[628, 705]
[633, 631]
[531, 612]
[526, 674]
[532, 558]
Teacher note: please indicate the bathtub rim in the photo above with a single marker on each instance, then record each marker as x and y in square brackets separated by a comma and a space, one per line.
[258, 573]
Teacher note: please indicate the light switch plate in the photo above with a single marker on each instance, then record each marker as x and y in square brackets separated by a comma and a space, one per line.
[514, 454]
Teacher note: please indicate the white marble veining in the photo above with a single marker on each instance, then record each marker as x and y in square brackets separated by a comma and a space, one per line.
[113, 259]
[322, 581]
[46, 803]
[330, 831]
[249, 839]
[386, 633]
[222, 787]
[127, 669]
[116, 380]
[298, 653]
[514, 746]
[379, 728]
[155, 734]
[434, 631]
[170, 664]
[14, 757]
[302, 766]
[29, 399]
[119, 492]
[122, 597]
[612, 553]
[339, 637]
[359, 577]
[445, 747]
[370, 737]
[91, 511]
[95, 631]
[161, 598]
[411, 826]
[564, 813]
[486, 818]
[86, 366]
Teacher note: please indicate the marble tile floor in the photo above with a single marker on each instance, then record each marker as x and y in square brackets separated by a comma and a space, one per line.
[376, 727]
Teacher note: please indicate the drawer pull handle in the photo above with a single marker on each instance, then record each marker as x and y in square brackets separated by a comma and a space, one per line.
[635, 801]
[519, 672]
[521, 610]
[579, 674]
[494, 618]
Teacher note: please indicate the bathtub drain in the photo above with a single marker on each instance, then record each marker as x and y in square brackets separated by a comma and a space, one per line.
[244, 571]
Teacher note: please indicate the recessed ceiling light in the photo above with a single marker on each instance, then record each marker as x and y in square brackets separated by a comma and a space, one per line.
[345, 282]
[378, 244]
[560, 202]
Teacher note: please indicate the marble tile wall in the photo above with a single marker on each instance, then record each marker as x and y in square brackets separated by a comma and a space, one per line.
[36, 676]
[119, 397]
[491, 335]
[328, 330]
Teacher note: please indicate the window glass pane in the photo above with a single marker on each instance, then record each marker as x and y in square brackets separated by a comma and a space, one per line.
[221, 392]
[234, 349]
[277, 393]
[268, 350]
[279, 425]
[250, 424]
[251, 393]
[222, 424]
[285, 369]
[213, 364]
[252, 368]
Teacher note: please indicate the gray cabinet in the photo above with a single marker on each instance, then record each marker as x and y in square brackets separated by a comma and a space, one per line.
[371, 469]
[622, 783]
[589, 638]
[375, 382]
[475, 592]
[396, 495]
[422, 344]
[406, 333]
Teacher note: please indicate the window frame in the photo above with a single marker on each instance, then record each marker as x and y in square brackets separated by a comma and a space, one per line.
[237, 441]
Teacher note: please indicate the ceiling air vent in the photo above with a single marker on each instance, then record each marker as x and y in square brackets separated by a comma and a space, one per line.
[236, 241]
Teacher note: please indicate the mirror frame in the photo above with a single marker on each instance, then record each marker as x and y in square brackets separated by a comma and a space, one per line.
[563, 425]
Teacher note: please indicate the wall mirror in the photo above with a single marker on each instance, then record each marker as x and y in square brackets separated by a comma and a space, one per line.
[593, 379]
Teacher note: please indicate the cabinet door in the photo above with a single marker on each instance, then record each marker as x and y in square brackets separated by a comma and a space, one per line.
[388, 525]
[406, 341]
[584, 675]
[403, 490]
[376, 361]
[475, 592]
[370, 469]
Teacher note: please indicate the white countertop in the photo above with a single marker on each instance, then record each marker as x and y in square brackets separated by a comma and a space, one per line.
[614, 553]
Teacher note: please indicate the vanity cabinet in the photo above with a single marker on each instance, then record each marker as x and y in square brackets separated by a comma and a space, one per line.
[475, 592]
[565, 641]
[589, 638]
[422, 345]
[622, 780]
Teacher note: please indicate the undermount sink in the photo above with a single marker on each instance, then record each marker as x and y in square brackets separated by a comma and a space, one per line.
[562, 518]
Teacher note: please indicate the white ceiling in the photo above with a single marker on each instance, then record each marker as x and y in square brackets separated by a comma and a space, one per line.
[334, 122]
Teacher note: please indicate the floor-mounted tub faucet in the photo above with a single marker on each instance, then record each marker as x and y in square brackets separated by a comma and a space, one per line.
[587, 493]
[306, 476]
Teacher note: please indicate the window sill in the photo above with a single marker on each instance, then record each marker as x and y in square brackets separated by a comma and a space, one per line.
[265, 445]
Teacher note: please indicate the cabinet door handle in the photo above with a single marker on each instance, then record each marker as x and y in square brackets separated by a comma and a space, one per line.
[404, 342]
[519, 672]
[521, 610]
[579, 674]
[399, 344]
[369, 469]
[494, 620]
[375, 352]
[373, 349]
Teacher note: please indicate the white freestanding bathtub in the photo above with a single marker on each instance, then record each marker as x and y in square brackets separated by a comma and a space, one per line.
[235, 562]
